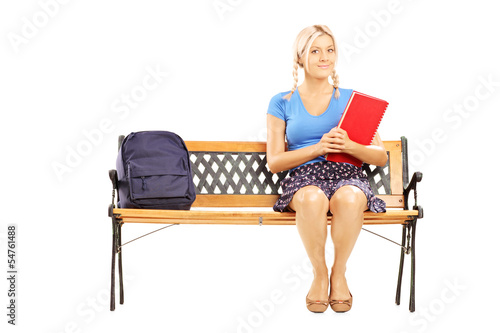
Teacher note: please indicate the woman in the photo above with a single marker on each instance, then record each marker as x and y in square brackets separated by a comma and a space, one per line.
[307, 117]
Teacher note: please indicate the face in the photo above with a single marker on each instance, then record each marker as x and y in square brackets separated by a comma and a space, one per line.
[321, 59]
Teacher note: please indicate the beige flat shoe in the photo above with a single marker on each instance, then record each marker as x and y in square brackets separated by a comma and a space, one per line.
[316, 306]
[341, 306]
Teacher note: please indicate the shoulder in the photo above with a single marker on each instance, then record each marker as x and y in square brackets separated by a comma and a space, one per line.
[345, 91]
[279, 100]
[344, 95]
[280, 97]
[278, 105]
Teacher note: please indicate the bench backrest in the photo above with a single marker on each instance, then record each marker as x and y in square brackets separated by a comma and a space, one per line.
[236, 174]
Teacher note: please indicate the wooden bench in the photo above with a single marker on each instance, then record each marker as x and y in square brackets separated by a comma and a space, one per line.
[235, 174]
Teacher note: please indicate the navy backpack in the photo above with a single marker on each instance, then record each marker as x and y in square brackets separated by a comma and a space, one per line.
[154, 172]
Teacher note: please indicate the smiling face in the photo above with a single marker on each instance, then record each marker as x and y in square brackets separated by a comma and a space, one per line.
[316, 52]
[320, 60]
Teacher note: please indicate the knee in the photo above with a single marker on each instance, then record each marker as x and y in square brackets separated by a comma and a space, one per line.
[349, 198]
[310, 199]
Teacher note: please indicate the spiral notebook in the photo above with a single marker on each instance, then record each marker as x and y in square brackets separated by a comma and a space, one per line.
[360, 120]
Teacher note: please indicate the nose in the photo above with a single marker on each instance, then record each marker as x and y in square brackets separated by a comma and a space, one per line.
[323, 56]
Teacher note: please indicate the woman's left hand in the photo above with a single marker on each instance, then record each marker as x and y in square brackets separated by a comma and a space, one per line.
[372, 154]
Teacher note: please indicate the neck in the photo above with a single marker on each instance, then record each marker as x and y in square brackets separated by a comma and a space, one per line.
[314, 86]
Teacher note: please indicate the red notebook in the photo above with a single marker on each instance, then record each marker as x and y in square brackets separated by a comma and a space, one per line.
[360, 120]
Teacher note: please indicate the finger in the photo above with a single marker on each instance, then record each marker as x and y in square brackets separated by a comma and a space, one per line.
[328, 151]
[340, 130]
[333, 129]
[337, 140]
[336, 144]
[333, 136]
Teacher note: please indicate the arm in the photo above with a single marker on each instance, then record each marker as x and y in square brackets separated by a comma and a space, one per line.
[277, 158]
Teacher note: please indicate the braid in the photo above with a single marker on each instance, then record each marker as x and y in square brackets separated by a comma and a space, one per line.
[335, 78]
[295, 80]
[295, 76]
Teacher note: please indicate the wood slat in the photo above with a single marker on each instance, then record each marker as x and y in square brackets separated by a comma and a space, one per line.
[235, 200]
[392, 201]
[245, 222]
[267, 200]
[392, 145]
[227, 146]
[253, 146]
[396, 167]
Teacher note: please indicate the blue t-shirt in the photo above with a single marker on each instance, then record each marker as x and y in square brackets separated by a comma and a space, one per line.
[302, 128]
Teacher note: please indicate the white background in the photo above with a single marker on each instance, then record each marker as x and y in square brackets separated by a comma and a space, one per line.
[66, 66]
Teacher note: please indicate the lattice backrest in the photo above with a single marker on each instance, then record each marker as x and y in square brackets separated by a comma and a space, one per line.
[379, 177]
[233, 173]
[237, 172]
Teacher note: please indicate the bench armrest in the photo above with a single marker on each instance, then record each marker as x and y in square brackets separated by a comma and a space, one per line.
[113, 176]
[416, 178]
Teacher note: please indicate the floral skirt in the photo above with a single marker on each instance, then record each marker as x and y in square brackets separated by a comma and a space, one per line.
[329, 177]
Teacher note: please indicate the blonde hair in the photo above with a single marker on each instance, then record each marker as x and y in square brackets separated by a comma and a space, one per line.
[301, 47]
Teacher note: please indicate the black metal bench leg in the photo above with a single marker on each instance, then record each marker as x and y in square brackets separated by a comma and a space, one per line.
[401, 266]
[113, 257]
[120, 269]
[412, 286]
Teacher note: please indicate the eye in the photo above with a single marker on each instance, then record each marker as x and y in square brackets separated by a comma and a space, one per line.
[314, 51]
[331, 50]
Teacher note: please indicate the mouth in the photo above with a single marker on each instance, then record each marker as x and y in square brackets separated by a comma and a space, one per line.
[324, 66]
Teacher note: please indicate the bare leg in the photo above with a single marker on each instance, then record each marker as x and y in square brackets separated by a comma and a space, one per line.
[311, 206]
[347, 206]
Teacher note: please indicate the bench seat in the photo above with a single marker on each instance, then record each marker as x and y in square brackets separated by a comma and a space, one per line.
[250, 217]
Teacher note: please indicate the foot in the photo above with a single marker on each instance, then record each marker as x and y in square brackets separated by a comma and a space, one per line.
[338, 286]
[319, 287]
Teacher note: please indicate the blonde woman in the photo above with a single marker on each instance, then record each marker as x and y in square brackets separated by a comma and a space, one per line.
[306, 117]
